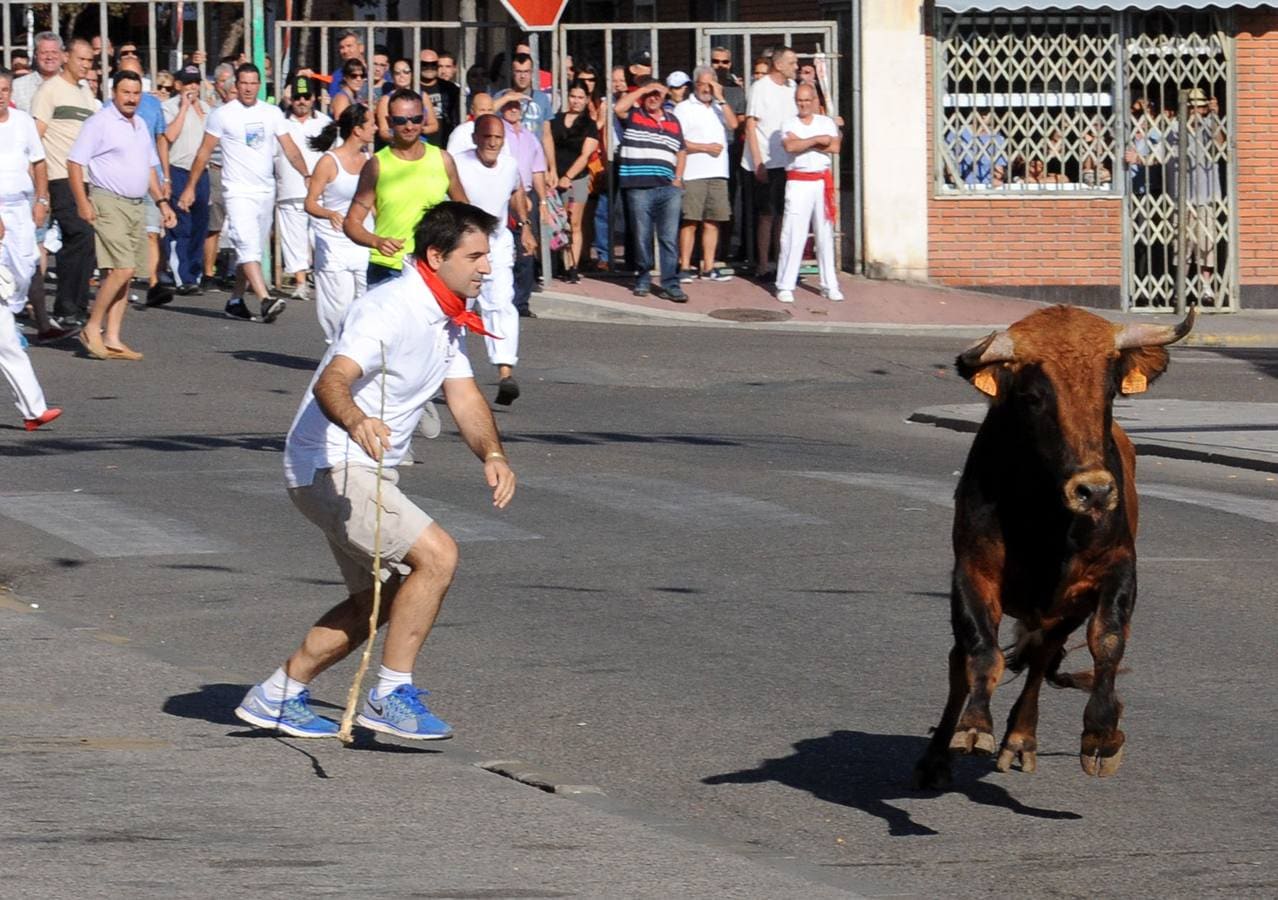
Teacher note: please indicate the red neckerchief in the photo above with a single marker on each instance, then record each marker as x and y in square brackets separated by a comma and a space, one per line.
[450, 304]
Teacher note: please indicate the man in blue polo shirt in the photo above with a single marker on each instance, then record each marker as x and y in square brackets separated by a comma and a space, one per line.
[650, 170]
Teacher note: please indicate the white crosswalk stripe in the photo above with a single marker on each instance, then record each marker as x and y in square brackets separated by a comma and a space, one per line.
[107, 527]
[671, 501]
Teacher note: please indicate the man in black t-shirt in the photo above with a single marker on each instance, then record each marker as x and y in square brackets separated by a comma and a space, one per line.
[444, 96]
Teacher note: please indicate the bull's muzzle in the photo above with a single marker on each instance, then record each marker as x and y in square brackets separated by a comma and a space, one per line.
[1093, 491]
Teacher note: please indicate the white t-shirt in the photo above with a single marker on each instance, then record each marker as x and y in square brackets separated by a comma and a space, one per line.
[488, 188]
[289, 185]
[771, 104]
[182, 151]
[422, 349]
[19, 147]
[810, 160]
[248, 140]
[703, 124]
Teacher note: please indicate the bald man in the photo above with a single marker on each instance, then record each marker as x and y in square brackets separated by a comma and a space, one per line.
[463, 136]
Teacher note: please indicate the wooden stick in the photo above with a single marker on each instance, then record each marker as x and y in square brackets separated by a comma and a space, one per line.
[352, 697]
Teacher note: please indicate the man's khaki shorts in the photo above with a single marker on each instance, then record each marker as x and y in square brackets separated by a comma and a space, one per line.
[706, 199]
[119, 232]
[342, 501]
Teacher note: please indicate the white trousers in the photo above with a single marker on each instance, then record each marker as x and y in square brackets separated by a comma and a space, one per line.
[293, 223]
[248, 222]
[18, 250]
[16, 366]
[335, 291]
[804, 209]
[497, 301]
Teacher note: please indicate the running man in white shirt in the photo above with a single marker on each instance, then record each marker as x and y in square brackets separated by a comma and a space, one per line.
[809, 138]
[492, 182]
[401, 343]
[291, 221]
[23, 184]
[247, 131]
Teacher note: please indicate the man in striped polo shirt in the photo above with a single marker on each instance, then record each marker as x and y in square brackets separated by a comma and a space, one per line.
[651, 159]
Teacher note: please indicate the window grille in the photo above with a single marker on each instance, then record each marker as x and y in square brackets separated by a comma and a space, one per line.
[1027, 103]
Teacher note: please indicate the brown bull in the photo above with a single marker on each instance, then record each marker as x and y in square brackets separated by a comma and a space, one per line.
[1045, 530]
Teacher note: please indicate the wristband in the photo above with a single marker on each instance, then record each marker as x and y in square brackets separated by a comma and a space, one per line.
[496, 454]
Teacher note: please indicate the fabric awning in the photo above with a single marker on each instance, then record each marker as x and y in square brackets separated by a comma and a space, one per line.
[1088, 5]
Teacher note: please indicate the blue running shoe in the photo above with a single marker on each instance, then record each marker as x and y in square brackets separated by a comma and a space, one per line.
[292, 717]
[402, 713]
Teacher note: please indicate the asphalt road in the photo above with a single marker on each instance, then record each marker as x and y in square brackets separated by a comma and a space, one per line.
[719, 594]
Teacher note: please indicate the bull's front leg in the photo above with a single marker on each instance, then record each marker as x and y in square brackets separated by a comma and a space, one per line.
[1101, 752]
[975, 666]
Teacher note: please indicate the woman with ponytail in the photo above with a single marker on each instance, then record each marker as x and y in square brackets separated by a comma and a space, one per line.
[340, 263]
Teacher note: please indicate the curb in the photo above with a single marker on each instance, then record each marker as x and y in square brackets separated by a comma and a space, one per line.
[1144, 447]
[575, 308]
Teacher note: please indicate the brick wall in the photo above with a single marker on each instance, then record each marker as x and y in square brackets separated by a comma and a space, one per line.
[1256, 47]
[1045, 247]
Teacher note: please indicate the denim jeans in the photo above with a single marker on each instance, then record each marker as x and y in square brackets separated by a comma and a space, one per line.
[192, 227]
[659, 208]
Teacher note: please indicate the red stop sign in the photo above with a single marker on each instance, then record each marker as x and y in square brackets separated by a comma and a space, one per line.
[536, 14]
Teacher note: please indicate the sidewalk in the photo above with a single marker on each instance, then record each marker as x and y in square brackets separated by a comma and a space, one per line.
[125, 776]
[871, 307]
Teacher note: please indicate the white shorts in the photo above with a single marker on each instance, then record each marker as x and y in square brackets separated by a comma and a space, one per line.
[293, 224]
[248, 224]
[335, 291]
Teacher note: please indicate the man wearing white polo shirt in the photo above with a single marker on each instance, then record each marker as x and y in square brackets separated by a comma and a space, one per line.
[707, 121]
[402, 342]
[247, 131]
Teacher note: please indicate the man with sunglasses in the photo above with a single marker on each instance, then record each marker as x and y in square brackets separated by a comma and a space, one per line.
[398, 186]
[247, 131]
[292, 222]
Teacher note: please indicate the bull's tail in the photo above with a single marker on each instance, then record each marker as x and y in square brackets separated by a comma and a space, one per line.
[1025, 639]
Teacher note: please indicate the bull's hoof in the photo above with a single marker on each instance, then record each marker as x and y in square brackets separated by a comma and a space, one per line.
[932, 774]
[1101, 766]
[1026, 760]
[972, 741]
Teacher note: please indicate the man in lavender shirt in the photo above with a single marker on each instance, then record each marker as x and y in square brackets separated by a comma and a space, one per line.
[531, 157]
[111, 144]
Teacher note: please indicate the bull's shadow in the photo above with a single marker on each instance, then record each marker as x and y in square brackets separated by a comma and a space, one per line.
[866, 771]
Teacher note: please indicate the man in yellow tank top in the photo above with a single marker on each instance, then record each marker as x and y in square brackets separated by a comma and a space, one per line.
[398, 185]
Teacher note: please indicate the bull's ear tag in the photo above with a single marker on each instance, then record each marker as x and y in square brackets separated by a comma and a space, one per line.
[985, 382]
[1135, 382]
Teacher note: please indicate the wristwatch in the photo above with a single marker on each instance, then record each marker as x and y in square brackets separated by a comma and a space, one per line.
[43, 201]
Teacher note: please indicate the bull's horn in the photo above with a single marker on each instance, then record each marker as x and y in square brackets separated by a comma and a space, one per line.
[997, 347]
[1142, 335]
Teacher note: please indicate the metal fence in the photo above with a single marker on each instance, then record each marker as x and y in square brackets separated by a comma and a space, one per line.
[1072, 104]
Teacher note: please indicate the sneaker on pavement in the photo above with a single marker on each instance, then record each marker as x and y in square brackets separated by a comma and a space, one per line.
[717, 275]
[429, 426]
[292, 717]
[301, 291]
[402, 713]
[43, 419]
[674, 294]
[507, 391]
[236, 308]
[687, 275]
[272, 306]
[834, 295]
[785, 296]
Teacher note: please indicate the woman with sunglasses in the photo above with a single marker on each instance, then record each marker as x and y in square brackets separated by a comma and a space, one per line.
[164, 86]
[341, 265]
[354, 78]
[569, 142]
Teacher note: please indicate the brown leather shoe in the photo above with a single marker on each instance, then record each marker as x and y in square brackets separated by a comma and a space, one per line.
[92, 344]
[122, 353]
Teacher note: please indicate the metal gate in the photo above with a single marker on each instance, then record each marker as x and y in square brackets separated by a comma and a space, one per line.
[1167, 52]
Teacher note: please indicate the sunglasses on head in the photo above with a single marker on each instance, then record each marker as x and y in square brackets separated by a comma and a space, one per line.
[407, 120]
[125, 54]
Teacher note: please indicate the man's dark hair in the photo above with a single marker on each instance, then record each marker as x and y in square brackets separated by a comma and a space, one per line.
[445, 224]
[400, 94]
[644, 81]
[447, 54]
[521, 58]
[244, 68]
[343, 35]
[125, 75]
[380, 49]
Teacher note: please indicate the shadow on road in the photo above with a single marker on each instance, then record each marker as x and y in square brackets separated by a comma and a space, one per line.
[866, 771]
[211, 703]
[168, 443]
[270, 358]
